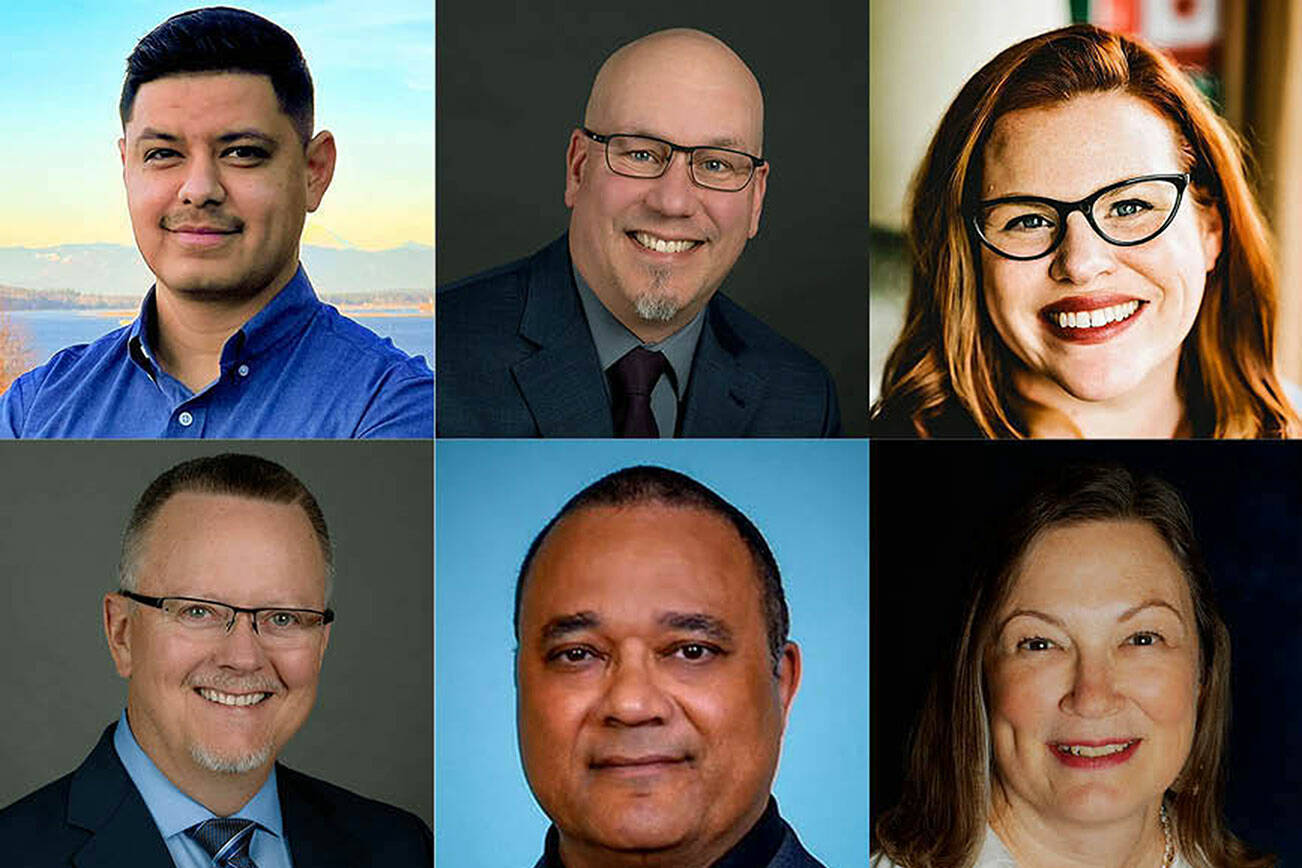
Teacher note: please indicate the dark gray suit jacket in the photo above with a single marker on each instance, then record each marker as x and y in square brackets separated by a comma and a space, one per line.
[95, 818]
[515, 358]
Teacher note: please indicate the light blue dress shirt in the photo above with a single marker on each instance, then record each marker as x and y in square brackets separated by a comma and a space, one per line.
[298, 369]
[174, 812]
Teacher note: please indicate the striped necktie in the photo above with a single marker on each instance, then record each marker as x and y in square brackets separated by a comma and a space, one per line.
[226, 840]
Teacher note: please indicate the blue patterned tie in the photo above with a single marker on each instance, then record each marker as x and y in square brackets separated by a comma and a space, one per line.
[226, 840]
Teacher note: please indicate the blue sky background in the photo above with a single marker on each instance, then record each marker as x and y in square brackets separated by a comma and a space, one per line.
[372, 64]
[809, 498]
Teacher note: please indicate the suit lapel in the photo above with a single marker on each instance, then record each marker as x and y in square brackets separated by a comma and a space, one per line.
[723, 395]
[315, 834]
[561, 382]
[102, 800]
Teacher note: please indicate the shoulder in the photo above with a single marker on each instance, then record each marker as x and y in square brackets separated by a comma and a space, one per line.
[36, 830]
[381, 828]
[792, 854]
[68, 373]
[751, 335]
[356, 339]
[496, 297]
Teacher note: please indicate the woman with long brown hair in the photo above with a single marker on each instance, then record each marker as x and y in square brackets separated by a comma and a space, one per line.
[1088, 259]
[1084, 719]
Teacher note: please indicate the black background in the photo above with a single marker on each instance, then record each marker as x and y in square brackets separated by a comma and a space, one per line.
[933, 508]
[513, 79]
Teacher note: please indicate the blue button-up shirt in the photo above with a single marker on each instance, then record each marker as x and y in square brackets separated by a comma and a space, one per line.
[174, 812]
[297, 369]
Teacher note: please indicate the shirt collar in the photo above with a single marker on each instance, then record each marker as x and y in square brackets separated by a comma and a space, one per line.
[173, 811]
[613, 339]
[285, 315]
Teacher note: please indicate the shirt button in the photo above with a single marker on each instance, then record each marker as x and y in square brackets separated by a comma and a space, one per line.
[185, 418]
[243, 370]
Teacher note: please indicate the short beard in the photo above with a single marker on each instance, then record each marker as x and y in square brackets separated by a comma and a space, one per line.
[655, 305]
[230, 765]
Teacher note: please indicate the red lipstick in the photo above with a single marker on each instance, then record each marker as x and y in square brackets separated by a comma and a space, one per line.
[1062, 751]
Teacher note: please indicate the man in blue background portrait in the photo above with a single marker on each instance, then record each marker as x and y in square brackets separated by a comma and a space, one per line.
[655, 672]
[221, 166]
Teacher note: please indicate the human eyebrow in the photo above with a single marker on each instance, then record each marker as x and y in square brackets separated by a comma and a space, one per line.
[1147, 604]
[563, 625]
[238, 135]
[151, 133]
[1030, 613]
[698, 622]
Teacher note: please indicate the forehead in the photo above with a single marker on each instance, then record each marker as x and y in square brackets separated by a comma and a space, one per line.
[1099, 565]
[220, 544]
[634, 561]
[688, 92]
[1070, 149]
[197, 102]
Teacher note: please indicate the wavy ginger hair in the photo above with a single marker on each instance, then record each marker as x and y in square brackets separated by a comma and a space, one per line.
[949, 355]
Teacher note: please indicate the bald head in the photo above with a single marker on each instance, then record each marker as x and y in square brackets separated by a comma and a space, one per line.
[673, 66]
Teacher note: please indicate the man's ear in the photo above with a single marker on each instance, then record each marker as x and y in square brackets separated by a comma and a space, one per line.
[761, 182]
[117, 630]
[788, 678]
[320, 157]
[576, 159]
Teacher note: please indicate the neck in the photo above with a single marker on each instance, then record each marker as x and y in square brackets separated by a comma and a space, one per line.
[1153, 409]
[1035, 840]
[193, 330]
[221, 793]
[577, 853]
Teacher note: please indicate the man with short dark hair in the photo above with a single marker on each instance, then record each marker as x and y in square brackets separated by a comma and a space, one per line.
[187, 776]
[654, 678]
[617, 328]
[221, 168]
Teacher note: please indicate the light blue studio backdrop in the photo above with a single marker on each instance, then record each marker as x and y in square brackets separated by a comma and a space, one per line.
[809, 499]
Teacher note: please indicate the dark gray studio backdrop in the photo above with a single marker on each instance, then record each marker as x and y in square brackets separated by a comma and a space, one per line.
[62, 515]
[513, 78]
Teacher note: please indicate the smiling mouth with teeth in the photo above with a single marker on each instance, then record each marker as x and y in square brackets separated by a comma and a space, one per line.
[1085, 319]
[662, 245]
[1087, 750]
[232, 699]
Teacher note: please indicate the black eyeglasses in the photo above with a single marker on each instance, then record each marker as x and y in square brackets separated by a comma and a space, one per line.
[210, 618]
[1126, 213]
[648, 157]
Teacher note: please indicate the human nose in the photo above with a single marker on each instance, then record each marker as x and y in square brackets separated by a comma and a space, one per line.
[241, 646]
[633, 695]
[202, 184]
[1094, 690]
[674, 193]
[1082, 254]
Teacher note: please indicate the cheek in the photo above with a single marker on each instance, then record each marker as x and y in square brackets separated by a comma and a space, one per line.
[1167, 693]
[1022, 700]
[1009, 291]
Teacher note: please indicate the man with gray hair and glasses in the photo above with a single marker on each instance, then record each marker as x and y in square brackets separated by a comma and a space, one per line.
[617, 327]
[219, 624]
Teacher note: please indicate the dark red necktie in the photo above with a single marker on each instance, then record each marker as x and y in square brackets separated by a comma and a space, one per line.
[632, 378]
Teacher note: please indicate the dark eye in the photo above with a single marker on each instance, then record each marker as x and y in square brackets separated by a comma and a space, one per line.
[156, 154]
[247, 153]
[1035, 643]
[1145, 638]
[574, 655]
[695, 651]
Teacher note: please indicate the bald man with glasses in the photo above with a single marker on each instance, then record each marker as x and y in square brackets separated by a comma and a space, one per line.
[617, 328]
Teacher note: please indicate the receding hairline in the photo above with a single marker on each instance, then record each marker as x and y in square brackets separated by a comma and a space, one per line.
[652, 47]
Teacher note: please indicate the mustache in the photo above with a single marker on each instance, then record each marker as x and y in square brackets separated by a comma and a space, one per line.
[218, 222]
